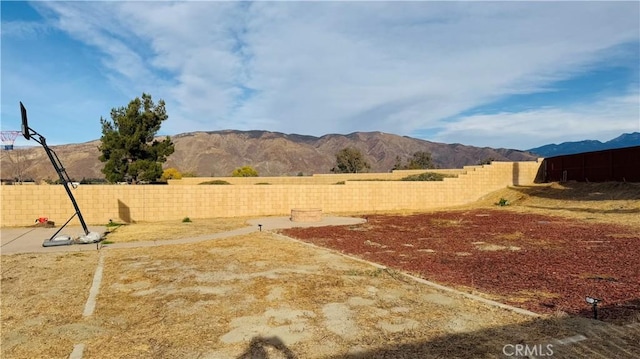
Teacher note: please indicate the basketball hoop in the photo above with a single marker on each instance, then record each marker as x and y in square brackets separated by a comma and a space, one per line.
[8, 138]
[55, 240]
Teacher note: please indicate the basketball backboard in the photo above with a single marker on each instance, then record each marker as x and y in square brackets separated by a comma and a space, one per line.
[25, 124]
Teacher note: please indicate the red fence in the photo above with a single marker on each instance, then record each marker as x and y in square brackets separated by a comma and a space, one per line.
[621, 165]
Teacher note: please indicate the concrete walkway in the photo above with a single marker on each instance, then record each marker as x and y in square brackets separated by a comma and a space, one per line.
[29, 239]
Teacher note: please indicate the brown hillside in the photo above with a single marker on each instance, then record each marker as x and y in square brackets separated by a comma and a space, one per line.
[218, 153]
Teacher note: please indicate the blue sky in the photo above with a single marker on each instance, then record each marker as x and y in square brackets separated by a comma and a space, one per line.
[497, 74]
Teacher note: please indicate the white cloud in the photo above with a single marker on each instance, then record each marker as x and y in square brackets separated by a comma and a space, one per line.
[602, 120]
[23, 29]
[337, 67]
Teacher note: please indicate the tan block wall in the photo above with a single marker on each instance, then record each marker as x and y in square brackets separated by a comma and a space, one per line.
[21, 205]
[314, 179]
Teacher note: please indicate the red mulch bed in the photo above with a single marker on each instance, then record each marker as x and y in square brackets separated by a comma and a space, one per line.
[564, 258]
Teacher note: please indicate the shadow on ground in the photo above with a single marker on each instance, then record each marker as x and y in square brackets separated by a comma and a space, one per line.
[557, 337]
[267, 347]
[589, 210]
[581, 191]
[626, 312]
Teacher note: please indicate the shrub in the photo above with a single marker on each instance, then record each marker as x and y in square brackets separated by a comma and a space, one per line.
[502, 202]
[170, 173]
[215, 182]
[113, 224]
[486, 161]
[261, 183]
[246, 171]
[92, 181]
[427, 176]
[186, 220]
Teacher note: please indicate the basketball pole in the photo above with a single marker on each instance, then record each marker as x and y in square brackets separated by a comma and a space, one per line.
[29, 133]
[64, 178]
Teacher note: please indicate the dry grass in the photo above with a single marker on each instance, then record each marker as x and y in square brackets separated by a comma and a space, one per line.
[157, 231]
[43, 297]
[609, 202]
[186, 301]
[221, 299]
[446, 222]
[615, 202]
[513, 236]
[526, 295]
[241, 297]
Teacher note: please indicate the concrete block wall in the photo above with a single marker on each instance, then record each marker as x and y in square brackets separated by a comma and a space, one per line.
[21, 205]
[314, 179]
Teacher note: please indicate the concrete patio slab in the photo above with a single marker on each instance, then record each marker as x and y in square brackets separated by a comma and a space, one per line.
[30, 239]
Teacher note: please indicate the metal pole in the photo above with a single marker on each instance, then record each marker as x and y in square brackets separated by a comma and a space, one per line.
[64, 178]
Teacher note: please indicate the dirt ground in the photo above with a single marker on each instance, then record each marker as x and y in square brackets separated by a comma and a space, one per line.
[42, 301]
[163, 230]
[268, 296]
[224, 299]
[610, 202]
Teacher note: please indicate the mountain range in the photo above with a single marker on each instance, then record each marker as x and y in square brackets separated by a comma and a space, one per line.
[568, 148]
[218, 153]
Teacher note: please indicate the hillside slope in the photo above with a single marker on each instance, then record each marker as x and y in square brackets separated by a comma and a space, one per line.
[217, 153]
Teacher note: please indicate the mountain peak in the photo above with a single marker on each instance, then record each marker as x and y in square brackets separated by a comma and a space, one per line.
[568, 148]
[218, 153]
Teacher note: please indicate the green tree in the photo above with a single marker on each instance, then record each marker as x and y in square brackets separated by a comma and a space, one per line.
[350, 160]
[420, 160]
[486, 161]
[128, 147]
[397, 165]
[246, 171]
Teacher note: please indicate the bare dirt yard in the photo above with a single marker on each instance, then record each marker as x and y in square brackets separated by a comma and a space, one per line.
[264, 295]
